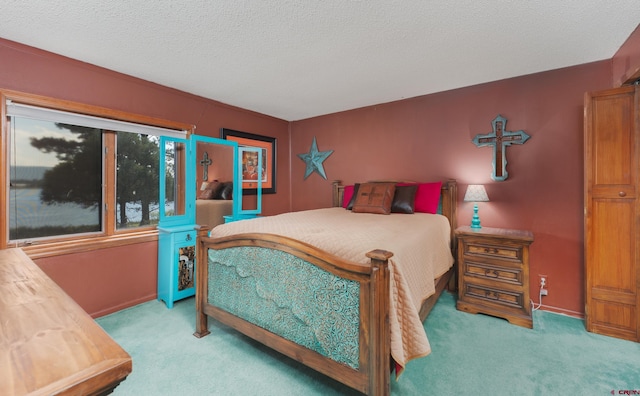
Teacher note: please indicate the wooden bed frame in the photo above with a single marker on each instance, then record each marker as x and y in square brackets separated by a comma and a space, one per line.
[372, 376]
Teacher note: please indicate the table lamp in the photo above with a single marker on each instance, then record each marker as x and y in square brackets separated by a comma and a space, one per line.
[475, 193]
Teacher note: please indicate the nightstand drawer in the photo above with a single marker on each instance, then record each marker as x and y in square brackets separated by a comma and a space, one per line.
[481, 270]
[188, 237]
[495, 251]
[513, 299]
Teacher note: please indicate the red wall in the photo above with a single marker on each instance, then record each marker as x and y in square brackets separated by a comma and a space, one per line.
[107, 280]
[429, 138]
[111, 279]
[221, 167]
[626, 61]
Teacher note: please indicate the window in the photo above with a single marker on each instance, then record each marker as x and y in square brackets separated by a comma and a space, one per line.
[137, 162]
[76, 176]
[55, 179]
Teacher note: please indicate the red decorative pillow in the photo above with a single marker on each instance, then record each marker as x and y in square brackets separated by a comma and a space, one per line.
[349, 196]
[428, 197]
[374, 198]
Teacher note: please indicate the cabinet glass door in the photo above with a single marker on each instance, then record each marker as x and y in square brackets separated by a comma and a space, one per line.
[176, 196]
[186, 267]
[250, 169]
[244, 162]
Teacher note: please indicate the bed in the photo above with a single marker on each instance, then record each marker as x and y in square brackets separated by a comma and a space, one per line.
[348, 317]
[213, 203]
[211, 212]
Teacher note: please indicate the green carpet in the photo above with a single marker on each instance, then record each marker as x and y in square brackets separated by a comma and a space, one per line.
[472, 354]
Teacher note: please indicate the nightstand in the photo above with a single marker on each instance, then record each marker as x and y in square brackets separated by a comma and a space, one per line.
[493, 273]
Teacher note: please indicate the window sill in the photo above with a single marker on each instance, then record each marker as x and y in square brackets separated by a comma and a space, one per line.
[51, 249]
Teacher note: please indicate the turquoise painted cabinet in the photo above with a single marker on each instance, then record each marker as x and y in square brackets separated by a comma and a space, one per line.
[177, 229]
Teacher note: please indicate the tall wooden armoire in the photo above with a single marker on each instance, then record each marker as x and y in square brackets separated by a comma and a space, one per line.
[612, 212]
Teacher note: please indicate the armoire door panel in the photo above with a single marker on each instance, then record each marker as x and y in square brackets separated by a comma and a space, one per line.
[614, 316]
[613, 140]
[613, 265]
[605, 294]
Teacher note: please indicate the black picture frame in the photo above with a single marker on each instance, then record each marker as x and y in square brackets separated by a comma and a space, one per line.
[268, 144]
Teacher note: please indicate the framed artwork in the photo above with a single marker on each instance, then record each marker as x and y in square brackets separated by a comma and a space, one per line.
[250, 173]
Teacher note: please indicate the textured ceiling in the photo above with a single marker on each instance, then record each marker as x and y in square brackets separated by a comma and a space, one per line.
[295, 59]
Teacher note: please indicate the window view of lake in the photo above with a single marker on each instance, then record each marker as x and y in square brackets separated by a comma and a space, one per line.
[32, 212]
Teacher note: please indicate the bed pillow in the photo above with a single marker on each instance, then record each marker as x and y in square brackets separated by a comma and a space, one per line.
[374, 198]
[211, 190]
[349, 196]
[404, 199]
[206, 194]
[428, 197]
[226, 192]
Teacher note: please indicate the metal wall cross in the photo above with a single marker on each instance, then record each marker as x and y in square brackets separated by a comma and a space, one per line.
[500, 139]
[205, 162]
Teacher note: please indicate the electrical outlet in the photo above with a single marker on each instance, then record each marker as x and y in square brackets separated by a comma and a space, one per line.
[543, 281]
[543, 286]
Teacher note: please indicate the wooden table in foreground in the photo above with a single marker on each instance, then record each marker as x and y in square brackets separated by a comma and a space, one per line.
[48, 344]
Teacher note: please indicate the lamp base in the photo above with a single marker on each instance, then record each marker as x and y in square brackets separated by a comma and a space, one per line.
[475, 220]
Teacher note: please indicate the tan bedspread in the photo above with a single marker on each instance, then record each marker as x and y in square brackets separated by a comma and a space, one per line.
[420, 243]
[211, 212]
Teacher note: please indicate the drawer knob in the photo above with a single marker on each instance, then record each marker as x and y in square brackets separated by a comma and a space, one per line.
[491, 250]
[188, 238]
[622, 194]
[491, 273]
[491, 295]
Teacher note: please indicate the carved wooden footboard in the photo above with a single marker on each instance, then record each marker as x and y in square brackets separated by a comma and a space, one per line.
[338, 324]
[361, 362]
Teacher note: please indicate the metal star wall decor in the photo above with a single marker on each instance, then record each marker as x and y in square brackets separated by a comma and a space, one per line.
[314, 159]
